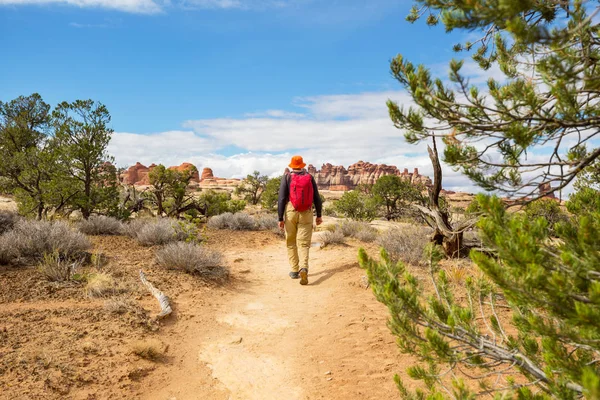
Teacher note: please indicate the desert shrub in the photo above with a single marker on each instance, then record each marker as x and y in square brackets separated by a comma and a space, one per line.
[357, 205]
[192, 258]
[7, 221]
[58, 269]
[332, 237]
[406, 244]
[33, 239]
[101, 285]
[548, 209]
[367, 235]
[151, 349]
[351, 228]
[8, 252]
[329, 211]
[150, 232]
[101, 225]
[585, 201]
[267, 222]
[244, 222]
[132, 227]
[356, 229]
[238, 222]
[270, 195]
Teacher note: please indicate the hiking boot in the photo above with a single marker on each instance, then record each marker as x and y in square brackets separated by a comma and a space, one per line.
[294, 275]
[304, 276]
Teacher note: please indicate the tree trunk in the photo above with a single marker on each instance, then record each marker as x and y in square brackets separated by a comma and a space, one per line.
[444, 234]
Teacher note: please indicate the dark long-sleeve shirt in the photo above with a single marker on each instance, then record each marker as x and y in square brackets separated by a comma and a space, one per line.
[284, 195]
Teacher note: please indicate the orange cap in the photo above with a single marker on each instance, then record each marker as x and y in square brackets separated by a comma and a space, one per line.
[297, 163]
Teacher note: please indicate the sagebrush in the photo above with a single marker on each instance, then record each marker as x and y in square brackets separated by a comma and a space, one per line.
[101, 225]
[406, 244]
[244, 222]
[332, 237]
[160, 231]
[192, 258]
[33, 239]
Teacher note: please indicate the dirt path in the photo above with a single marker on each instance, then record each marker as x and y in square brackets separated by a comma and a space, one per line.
[271, 338]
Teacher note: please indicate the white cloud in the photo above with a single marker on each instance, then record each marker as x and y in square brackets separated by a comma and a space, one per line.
[132, 6]
[275, 114]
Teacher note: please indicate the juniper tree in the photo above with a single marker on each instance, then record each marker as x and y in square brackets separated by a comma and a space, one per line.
[169, 191]
[82, 135]
[396, 195]
[252, 187]
[27, 156]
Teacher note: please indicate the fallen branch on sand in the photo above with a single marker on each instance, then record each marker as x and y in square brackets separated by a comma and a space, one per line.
[163, 300]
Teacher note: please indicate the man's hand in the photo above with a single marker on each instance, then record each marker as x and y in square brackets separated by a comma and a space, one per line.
[281, 225]
[319, 220]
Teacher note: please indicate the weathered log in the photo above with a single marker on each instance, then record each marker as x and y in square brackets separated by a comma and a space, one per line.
[163, 300]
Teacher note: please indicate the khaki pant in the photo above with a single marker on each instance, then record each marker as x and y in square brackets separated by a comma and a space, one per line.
[298, 234]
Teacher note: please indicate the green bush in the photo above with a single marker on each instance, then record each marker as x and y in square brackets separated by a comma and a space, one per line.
[358, 206]
[584, 201]
[548, 209]
[270, 195]
[220, 202]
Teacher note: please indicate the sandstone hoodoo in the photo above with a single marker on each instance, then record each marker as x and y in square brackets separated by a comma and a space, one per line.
[338, 178]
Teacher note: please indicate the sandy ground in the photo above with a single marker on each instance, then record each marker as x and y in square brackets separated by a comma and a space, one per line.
[260, 336]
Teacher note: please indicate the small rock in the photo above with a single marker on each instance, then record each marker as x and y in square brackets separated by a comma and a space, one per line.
[236, 340]
[328, 373]
[329, 379]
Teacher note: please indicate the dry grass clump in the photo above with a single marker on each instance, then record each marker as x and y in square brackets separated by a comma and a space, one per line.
[457, 274]
[101, 285]
[192, 258]
[406, 244]
[267, 222]
[236, 222]
[101, 225]
[8, 252]
[245, 222]
[356, 229]
[7, 221]
[150, 232]
[367, 235]
[58, 269]
[33, 239]
[150, 349]
[118, 305]
[332, 238]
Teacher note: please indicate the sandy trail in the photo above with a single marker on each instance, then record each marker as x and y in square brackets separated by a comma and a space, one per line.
[272, 338]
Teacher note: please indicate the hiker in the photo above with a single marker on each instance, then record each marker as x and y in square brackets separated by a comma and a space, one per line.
[297, 193]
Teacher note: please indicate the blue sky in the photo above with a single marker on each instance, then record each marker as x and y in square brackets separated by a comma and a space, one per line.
[235, 85]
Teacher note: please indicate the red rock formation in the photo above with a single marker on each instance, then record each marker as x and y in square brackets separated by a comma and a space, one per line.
[545, 190]
[207, 173]
[135, 174]
[186, 166]
[337, 178]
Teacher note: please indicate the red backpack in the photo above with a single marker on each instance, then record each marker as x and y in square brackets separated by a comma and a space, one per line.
[301, 191]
